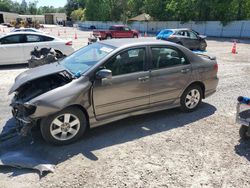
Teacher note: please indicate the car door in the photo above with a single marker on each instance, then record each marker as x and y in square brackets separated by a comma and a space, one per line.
[128, 90]
[127, 33]
[32, 41]
[170, 73]
[11, 50]
[119, 32]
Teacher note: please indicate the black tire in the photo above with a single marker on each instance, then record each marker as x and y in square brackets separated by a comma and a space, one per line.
[108, 37]
[135, 36]
[203, 46]
[47, 126]
[59, 54]
[195, 100]
[243, 132]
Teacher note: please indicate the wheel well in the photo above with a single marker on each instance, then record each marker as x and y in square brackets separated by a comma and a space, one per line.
[58, 51]
[201, 85]
[84, 111]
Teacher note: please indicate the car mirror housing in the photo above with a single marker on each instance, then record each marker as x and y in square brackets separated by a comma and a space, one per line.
[104, 73]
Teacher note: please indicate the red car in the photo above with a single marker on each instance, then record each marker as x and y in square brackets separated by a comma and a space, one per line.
[116, 31]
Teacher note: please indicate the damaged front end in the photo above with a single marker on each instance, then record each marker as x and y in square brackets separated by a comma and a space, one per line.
[30, 88]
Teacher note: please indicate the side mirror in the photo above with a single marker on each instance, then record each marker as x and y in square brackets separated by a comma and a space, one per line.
[104, 73]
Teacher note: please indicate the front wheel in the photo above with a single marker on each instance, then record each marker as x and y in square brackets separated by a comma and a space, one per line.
[244, 132]
[64, 127]
[191, 98]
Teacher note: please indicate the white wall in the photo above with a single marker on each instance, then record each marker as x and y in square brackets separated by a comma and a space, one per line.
[209, 28]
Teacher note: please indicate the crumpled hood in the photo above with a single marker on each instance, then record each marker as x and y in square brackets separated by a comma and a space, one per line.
[35, 73]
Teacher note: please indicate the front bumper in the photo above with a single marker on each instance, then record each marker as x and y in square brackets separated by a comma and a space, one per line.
[21, 114]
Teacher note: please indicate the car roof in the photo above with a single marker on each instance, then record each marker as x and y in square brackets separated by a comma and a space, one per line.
[119, 43]
[179, 29]
[27, 32]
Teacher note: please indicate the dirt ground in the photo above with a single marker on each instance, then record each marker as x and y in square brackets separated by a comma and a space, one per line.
[163, 149]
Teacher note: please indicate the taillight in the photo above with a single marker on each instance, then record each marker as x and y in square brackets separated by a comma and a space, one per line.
[216, 67]
[68, 43]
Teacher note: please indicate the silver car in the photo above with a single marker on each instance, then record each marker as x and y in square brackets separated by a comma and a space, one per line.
[107, 81]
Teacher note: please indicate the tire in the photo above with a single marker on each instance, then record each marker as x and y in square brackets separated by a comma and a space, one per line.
[135, 36]
[59, 54]
[191, 98]
[243, 133]
[67, 131]
[202, 46]
[108, 37]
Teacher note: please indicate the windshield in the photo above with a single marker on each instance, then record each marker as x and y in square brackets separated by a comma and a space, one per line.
[85, 58]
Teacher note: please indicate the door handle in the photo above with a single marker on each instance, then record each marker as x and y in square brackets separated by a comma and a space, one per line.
[185, 70]
[143, 79]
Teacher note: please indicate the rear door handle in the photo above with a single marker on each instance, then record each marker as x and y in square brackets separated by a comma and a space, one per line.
[185, 70]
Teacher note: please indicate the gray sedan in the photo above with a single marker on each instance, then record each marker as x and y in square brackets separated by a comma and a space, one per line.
[107, 81]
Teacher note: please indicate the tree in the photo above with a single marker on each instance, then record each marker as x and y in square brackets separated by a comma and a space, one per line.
[32, 7]
[77, 15]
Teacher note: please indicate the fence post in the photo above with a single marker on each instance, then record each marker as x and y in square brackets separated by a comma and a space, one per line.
[241, 29]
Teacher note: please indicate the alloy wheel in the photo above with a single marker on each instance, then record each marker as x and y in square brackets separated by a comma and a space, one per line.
[65, 126]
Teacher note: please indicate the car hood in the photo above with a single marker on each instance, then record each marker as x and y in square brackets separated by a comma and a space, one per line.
[35, 73]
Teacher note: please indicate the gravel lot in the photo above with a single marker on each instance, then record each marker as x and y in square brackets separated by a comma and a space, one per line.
[163, 149]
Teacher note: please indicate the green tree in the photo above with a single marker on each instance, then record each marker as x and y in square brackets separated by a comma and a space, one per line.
[77, 15]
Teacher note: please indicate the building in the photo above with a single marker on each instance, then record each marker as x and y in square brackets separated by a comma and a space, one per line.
[54, 18]
[7, 17]
[38, 18]
[47, 18]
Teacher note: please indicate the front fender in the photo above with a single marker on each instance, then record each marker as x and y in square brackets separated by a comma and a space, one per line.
[55, 100]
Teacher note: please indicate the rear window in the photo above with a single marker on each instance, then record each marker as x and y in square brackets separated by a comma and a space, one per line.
[45, 38]
[164, 34]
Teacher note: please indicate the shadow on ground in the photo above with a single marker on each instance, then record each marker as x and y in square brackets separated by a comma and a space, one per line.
[114, 133]
[243, 149]
[13, 67]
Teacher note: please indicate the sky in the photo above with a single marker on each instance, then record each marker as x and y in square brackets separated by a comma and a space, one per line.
[55, 3]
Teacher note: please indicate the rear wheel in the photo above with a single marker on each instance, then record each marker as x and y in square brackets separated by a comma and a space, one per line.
[244, 132]
[191, 98]
[135, 36]
[108, 37]
[64, 127]
[203, 46]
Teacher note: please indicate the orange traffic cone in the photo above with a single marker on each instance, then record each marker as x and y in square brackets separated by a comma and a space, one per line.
[234, 51]
[76, 36]
[145, 34]
[58, 34]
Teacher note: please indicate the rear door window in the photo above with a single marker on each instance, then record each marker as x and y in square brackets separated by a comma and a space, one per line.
[33, 38]
[164, 57]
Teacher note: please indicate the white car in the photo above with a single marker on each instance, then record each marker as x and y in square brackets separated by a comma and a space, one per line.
[26, 30]
[15, 47]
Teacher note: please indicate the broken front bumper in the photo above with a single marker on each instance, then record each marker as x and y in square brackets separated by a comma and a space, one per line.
[21, 113]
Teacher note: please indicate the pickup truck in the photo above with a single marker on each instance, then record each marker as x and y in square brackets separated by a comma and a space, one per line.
[116, 31]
